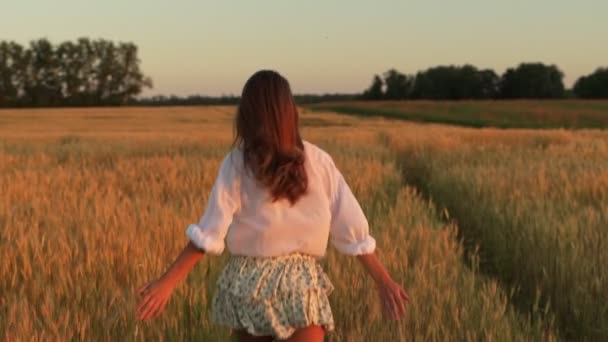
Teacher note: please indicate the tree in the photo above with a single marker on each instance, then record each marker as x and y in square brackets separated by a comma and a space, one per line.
[593, 86]
[43, 76]
[489, 83]
[455, 83]
[87, 75]
[434, 83]
[11, 73]
[398, 85]
[374, 92]
[127, 79]
[532, 80]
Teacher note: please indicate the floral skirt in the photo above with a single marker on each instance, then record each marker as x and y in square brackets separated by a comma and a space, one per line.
[273, 296]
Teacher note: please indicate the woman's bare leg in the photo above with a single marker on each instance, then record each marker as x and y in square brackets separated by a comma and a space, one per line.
[313, 333]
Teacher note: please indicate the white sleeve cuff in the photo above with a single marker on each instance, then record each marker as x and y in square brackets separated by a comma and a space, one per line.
[201, 239]
[364, 247]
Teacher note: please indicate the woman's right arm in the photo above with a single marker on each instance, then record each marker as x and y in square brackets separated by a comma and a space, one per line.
[157, 293]
[206, 237]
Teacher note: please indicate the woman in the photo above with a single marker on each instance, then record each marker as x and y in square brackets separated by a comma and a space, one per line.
[277, 201]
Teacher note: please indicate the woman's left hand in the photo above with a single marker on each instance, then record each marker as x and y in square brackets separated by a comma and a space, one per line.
[393, 299]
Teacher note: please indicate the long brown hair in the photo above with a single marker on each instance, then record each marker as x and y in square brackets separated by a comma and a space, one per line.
[267, 130]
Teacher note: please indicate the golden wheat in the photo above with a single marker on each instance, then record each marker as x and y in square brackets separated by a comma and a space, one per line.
[95, 202]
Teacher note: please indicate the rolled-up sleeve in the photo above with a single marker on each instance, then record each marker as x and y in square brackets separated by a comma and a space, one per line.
[349, 231]
[209, 233]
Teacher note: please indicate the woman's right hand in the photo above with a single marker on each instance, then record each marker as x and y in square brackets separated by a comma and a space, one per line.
[156, 296]
[157, 293]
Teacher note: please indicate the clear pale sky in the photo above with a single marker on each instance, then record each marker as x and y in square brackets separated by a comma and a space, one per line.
[212, 47]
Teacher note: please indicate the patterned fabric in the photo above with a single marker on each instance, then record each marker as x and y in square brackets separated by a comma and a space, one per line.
[273, 296]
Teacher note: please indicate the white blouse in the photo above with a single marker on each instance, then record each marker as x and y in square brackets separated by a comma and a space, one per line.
[241, 212]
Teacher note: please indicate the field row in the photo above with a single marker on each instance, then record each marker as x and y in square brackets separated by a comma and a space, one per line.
[537, 207]
[502, 114]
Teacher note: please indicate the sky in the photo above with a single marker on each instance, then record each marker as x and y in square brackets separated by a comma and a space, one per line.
[212, 47]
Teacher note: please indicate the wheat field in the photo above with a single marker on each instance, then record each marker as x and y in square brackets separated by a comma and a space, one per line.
[95, 202]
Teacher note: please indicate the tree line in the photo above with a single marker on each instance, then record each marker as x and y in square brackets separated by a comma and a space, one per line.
[527, 80]
[81, 73]
[101, 73]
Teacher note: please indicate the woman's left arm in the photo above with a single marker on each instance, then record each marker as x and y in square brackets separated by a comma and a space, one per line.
[349, 233]
[392, 296]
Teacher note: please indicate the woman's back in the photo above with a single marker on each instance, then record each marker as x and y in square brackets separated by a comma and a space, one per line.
[258, 226]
